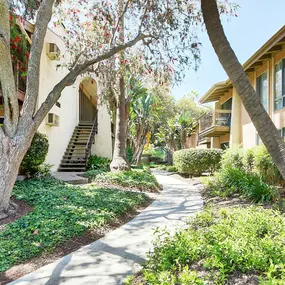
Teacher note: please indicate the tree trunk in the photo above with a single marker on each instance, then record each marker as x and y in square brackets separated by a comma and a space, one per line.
[266, 129]
[119, 161]
[11, 156]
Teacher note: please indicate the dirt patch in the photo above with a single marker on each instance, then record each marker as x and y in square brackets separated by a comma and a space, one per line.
[68, 247]
[23, 209]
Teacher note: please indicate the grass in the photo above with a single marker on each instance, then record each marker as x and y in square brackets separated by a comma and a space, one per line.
[216, 247]
[141, 179]
[61, 211]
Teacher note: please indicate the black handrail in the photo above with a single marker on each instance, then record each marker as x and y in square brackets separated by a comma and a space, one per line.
[91, 138]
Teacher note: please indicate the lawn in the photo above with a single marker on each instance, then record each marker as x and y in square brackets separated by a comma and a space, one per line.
[61, 212]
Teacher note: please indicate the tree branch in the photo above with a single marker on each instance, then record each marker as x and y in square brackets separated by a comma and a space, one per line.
[6, 73]
[43, 18]
[70, 78]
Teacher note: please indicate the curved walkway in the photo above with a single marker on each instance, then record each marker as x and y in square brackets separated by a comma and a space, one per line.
[108, 260]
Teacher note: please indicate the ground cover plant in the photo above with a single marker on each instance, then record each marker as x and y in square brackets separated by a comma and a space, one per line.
[218, 248]
[61, 211]
[141, 179]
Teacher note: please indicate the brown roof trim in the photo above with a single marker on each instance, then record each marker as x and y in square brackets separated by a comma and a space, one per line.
[272, 45]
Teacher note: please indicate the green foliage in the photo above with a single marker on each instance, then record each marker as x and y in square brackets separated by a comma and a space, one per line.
[35, 156]
[256, 160]
[98, 163]
[136, 178]
[155, 152]
[61, 211]
[264, 166]
[238, 240]
[230, 181]
[194, 162]
[91, 174]
[233, 158]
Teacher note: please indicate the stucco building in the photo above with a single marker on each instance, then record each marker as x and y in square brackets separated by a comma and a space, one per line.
[228, 124]
[78, 113]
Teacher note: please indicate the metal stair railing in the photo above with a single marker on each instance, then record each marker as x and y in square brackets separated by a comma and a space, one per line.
[91, 139]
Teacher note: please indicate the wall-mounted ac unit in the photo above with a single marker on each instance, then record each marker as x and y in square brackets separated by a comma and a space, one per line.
[53, 51]
[52, 120]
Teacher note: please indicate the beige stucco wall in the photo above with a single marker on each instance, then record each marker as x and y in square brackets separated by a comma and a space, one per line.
[69, 111]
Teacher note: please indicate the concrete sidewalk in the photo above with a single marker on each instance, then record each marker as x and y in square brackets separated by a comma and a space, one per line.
[108, 260]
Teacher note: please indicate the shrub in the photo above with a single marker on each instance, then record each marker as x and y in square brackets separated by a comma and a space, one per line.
[100, 163]
[61, 212]
[210, 250]
[35, 155]
[135, 178]
[194, 162]
[264, 166]
[230, 181]
[233, 158]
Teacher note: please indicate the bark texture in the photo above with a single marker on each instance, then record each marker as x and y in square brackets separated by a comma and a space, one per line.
[11, 154]
[265, 127]
[119, 161]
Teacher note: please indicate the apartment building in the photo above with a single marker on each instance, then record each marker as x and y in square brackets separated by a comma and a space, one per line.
[228, 124]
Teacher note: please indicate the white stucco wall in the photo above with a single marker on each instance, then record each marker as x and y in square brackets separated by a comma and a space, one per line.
[103, 140]
[69, 110]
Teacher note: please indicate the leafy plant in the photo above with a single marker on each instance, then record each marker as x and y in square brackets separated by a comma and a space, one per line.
[194, 162]
[92, 174]
[236, 240]
[98, 163]
[230, 181]
[35, 155]
[61, 211]
[141, 179]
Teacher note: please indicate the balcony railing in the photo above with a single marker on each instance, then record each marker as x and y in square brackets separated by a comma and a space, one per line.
[214, 124]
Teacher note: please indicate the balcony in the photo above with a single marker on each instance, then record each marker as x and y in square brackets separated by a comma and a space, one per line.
[215, 124]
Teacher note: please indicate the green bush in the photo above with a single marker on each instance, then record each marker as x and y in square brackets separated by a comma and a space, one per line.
[60, 212]
[194, 162]
[210, 250]
[233, 158]
[256, 160]
[230, 181]
[101, 163]
[135, 178]
[35, 155]
[264, 166]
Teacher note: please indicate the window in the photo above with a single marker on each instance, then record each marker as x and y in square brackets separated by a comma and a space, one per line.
[262, 89]
[282, 133]
[279, 89]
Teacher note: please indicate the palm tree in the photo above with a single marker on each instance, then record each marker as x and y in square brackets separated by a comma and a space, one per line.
[266, 129]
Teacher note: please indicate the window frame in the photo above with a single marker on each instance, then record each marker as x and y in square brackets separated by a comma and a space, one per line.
[258, 88]
[282, 98]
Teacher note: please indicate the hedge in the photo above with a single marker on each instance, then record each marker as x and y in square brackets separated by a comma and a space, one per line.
[194, 162]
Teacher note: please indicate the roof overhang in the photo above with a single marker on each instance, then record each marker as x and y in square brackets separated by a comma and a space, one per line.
[216, 92]
[271, 47]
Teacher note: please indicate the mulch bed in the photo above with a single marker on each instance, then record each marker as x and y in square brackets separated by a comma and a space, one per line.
[68, 247]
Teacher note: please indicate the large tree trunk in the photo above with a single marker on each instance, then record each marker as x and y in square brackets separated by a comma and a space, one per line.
[266, 129]
[11, 155]
[119, 161]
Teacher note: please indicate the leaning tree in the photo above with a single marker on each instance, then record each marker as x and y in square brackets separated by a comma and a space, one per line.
[266, 129]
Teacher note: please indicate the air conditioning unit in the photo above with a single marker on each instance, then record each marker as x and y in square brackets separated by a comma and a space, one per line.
[52, 120]
[53, 51]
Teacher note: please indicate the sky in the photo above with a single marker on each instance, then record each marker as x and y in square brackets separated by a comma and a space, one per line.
[257, 22]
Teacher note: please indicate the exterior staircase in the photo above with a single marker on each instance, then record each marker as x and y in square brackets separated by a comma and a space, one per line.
[79, 148]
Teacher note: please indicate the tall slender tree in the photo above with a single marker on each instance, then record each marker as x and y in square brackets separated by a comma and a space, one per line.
[266, 129]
